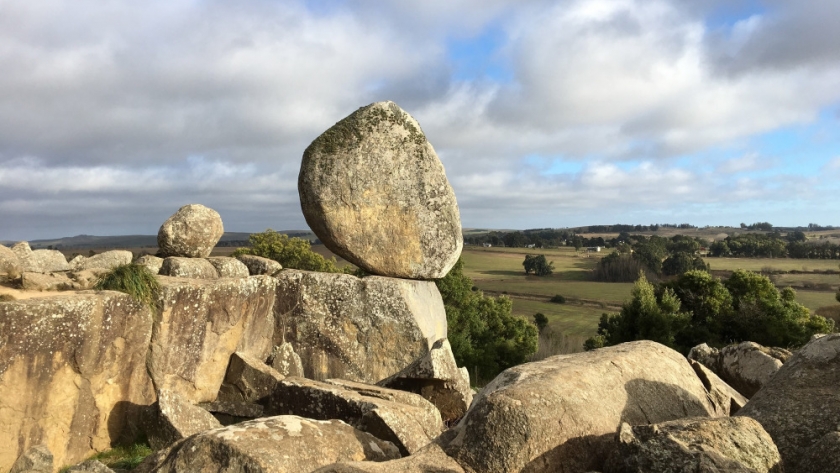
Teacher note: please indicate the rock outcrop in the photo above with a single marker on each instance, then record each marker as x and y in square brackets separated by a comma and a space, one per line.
[727, 401]
[374, 191]
[438, 379]
[229, 267]
[823, 456]
[284, 359]
[172, 419]
[730, 444]
[191, 232]
[275, 444]
[248, 380]
[801, 402]
[46, 282]
[257, 265]
[9, 262]
[37, 459]
[431, 459]
[154, 263]
[203, 322]
[192, 268]
[560, 414]
[72, 373]
[39, 261]
[105, 260]
[404, 419]
[746, 366]
[361, 329]
[86, 278]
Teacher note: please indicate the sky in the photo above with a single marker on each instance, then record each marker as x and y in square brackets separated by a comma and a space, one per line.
[113, 114]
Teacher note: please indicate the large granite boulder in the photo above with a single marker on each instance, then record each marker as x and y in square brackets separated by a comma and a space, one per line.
[257, 265]
[171, 419]
[431, 459]
[72, 373]
[9, 262]
[203, 322]
[560, 414]
[438, 379]
[360, 329]
[287, 444]
[404, 419]
[192, 268]
[191, 232]
[823, 456]
[228, 267]
[106, 260]
[729, 444]
[374, 191]
[801, 403]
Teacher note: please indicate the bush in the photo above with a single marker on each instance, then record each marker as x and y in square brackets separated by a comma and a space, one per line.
[124, 457]
[135, 280]
[617, 267]
[558, 299]
[540, 320]
[485, 336]
[538, 264]
[294, 253]
[682, 262]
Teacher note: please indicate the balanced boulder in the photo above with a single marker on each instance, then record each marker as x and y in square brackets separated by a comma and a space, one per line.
[360, 329]
[191, 232]
[288, 444]
[801, 403]
[374, 191]
[560, 414]
[730, 444]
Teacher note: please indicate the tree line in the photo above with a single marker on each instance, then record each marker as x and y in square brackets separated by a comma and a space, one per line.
[774, 245]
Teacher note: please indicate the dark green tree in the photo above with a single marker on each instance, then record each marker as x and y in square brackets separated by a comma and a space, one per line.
[540, 320]
[482, 330]
[538, 264]
[680, 262]
[290, 252]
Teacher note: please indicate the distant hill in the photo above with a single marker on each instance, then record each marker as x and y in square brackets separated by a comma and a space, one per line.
[140, 241]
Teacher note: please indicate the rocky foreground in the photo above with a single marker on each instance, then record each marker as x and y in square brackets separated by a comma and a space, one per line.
[241, 366]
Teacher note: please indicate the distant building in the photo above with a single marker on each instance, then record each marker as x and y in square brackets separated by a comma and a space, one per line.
[532, 245]
[596, 249]
[486, 245]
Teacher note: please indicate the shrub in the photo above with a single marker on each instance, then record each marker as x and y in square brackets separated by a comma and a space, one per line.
[295, 253]
[538, 264]
[540, 320]
[617, 267]
[124, 457]
[558, 299]
[6, 297]
[682, 262]
[135, 280]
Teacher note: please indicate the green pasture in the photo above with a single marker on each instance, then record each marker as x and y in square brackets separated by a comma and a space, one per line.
[771, 264]
[571, 319]
[816, 282]
[479, 263]
[816, 299]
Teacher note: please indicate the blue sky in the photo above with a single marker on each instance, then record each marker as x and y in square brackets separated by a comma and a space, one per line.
[544, 113]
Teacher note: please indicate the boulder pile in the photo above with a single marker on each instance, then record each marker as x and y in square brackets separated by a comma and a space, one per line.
[242, 366]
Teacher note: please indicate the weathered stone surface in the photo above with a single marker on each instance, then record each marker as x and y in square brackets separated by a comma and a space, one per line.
[191, 232]
[258, 265]
[374, 191]
[203, 322]
[361, 329]
[154, 263]
[404, 419]
[46, 282]
[234, 409]
[284, 359]
[248, 379]
[90, 466]
[86, 278]
[192, 268]
[707, 356]
[172, 419]
[107, 260]
[823, 457]
[40, 261]
[431, 459]
[72, 373]
[9, 262]
[561, 414]
[282, 444]
[745, 366]
[438, 379]
[37, 459]
[726, 400]
[730, 444]
[801, 402]
[228, 267]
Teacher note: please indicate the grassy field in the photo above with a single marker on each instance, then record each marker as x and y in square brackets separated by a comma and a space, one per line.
[774, 264]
